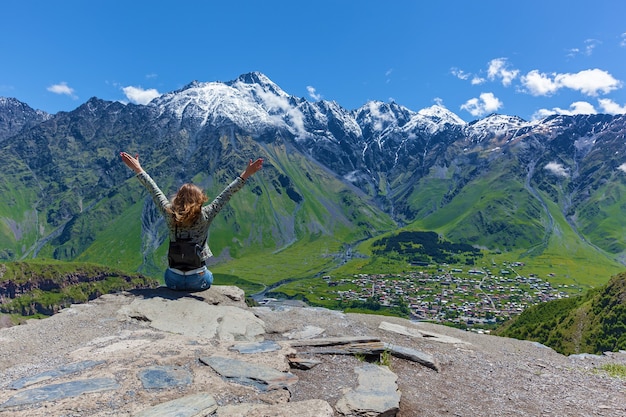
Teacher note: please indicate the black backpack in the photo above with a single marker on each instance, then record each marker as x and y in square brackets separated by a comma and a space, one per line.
[184, 254]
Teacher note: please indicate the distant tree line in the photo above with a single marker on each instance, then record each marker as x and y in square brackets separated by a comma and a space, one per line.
[423, 246]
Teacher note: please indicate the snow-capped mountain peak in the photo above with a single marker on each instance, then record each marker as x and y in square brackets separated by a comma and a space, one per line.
[252, 102]
[433, 119]
[258, 85]
[215, 103]
[441, 115]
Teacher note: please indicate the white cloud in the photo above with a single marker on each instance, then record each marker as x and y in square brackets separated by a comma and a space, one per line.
[62, 88]
[590, 45]
[622, 167]
[610, 107]
[379, 118]
[388, 75]
[557, 169]
[578, 107]
[280, 104]
[498, 70]
[388, 72]
[542, 113]
[313, 94]
[623, 42]
[573, 52]
[486, 103]
[539, 84]
[589, 82]
[138, 95]
[460, 74]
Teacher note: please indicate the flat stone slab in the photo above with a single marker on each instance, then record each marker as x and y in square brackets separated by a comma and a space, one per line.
[333, 341]
[308, 408]
[262, 377]
[195, 318]
[413, 355]
[64, 370]
[302, 363]
[376, 393]
[197, 405]
[375, 348]
[256, 347]
[308, 332]
[157, 377]
[63, 390]
[413, 332]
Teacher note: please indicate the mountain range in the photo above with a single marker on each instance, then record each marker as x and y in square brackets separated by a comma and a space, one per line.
[551, 190]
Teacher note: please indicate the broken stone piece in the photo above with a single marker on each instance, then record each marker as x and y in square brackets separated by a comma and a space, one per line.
[256, 347]
[64, 370]
[302, 363]
[376, 393]
[413, 332]
[308, 408]
[190, 406]
[262, 377]
[156, 377]
[63, 390]
[308, 332]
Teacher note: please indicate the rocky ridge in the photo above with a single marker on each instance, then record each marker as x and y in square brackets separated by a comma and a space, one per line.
[155, 352]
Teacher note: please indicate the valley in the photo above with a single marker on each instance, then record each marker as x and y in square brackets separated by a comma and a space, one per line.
[465, 297]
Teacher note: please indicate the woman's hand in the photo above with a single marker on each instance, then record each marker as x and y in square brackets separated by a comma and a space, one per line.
[252, 168]
[132, 163]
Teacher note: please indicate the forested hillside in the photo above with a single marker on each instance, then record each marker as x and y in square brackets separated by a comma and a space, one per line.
[593, 323]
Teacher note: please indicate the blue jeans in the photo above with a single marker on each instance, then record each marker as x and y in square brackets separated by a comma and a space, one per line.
[196, 280]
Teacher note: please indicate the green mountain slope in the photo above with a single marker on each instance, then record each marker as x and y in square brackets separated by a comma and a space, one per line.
[592, 323]
[293, 210]
[500, 200]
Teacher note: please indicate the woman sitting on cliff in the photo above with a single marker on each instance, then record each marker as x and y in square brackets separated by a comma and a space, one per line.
[188, 222]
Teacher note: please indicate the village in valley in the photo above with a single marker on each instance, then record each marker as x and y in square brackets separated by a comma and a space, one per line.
[472, 298]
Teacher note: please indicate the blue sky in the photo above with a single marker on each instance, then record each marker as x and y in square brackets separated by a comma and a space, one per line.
[526, 58]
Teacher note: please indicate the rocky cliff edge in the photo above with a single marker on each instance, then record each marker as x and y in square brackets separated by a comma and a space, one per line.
[156, 352]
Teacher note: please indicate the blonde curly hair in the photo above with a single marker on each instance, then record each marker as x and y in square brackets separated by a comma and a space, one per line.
[187, 204]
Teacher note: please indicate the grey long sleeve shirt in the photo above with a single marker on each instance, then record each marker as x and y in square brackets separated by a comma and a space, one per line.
[199, 230]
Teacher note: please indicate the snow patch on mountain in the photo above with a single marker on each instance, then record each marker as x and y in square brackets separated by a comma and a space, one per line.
[432, 120]
[278, 106]
[331, 112]
[252, 107]
[378, 115]
[495, 125]
[215, 103]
